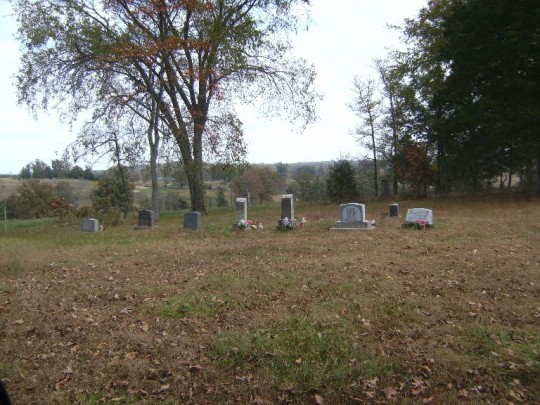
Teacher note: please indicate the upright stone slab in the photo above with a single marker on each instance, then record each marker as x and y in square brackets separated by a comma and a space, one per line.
[147, 218]
[287, 209]
[89, 225]
[394, 210]
[419, 216]
[192, 220]
[353, 218]
[240, 213]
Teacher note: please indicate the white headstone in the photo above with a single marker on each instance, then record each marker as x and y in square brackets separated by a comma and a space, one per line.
[419, 215]
[240, 214]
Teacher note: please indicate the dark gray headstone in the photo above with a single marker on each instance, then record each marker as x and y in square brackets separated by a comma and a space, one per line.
[394, 210]
[287, 209]
[147, 218]
[192, 220]
[89, 225]
[385, 188]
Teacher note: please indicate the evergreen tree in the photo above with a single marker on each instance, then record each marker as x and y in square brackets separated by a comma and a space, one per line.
[341, 182]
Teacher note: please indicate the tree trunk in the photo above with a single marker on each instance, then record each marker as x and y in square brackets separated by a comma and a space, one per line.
[195, 177]
[538, 174]
[376, 181]
[153, 142]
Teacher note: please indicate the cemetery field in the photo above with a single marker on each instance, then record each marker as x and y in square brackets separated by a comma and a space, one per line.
[447, 315]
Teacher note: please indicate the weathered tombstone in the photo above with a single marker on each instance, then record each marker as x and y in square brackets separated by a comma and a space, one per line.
[419, 216]
[147, 218]
[89, 225]
[192, 220]
[385, 188]
[287, 210]
[353, 218]
[394, 210]
[241, 206]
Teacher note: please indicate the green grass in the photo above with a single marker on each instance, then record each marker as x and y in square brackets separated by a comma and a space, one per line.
[299, 351]
[183, 306]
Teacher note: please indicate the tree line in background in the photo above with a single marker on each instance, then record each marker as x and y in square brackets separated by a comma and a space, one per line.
[455, 109]
[459, 105]
[160, 72]
[59, 169]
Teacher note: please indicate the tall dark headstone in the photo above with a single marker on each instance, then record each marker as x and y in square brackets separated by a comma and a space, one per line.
[394, 210]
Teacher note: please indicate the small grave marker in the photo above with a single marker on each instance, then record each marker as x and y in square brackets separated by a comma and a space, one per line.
[90, 225]
[353, 218]
[192, 220]
[419, 216]
[394, 210]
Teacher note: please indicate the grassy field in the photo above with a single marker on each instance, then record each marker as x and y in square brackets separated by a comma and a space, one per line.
[445, 315]
[142, 191]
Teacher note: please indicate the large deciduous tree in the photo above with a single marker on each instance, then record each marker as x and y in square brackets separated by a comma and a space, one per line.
[191, 58]
[367, 106]
[474, 68]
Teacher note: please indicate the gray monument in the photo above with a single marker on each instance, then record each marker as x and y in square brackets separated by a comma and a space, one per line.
[353, 218]
[147, 218]
[192, 220]
[419, 216]
[89, 225]
[287, 210]
[240, 213]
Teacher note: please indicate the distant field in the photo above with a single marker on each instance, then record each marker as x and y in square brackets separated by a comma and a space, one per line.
[447, 315]
[142, 191]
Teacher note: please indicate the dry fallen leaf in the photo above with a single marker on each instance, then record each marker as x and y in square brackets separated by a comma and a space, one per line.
[319, 400]
[390, 392]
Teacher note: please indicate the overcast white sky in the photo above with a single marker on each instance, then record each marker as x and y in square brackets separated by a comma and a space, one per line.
[343, 39]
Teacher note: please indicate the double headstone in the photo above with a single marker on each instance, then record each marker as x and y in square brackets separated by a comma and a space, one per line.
[287, 211]
[353, 218]
[419, 216]
[89, 225]
[192, 220]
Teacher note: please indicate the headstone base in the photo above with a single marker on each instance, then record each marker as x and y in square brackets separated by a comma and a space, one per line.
[417, 225]
[143, 227]
[352, 226]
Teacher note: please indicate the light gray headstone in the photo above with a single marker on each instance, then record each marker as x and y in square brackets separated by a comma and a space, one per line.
[353, 212]
[353, 217]
[192, 220]
[415, 215]
[240, 213]
[89, 225]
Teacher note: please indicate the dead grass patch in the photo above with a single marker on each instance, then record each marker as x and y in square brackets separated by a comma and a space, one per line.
[445, 315]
